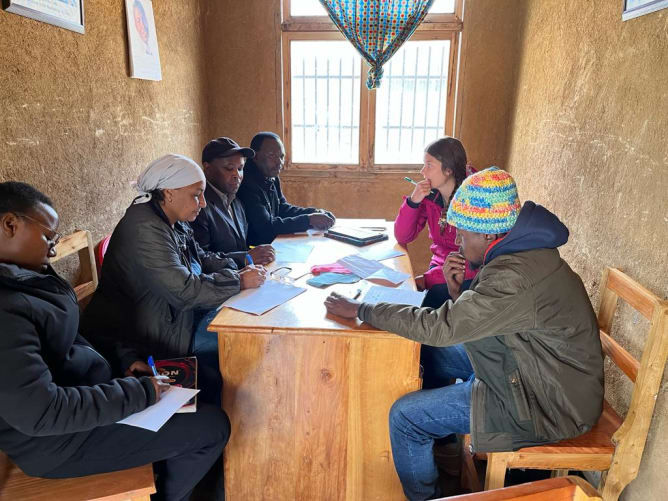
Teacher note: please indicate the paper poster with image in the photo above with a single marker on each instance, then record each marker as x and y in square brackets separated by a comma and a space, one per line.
[143, 40]
[64, 13]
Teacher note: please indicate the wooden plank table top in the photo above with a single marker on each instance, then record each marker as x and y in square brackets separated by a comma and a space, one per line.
[307, 312]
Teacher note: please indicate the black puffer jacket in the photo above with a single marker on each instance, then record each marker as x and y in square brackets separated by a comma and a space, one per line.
[149, 291]
[54, 387]
[530, 332]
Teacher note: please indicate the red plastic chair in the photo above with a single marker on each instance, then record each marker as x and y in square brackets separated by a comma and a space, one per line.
[100, 251]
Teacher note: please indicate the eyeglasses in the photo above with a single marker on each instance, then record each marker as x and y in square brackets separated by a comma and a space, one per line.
[281, 274]
[54, 239]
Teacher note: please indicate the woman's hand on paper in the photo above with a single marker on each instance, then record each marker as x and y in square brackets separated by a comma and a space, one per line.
[160, 385]
[342, 306]
[262, 254]
[252, 276]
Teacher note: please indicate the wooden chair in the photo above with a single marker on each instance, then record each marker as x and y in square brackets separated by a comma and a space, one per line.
[614, 446]
[135, 484]
[551, 489]
[82, 243]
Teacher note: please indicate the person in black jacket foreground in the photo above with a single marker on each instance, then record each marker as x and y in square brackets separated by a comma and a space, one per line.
[59, 397]
[269, 213]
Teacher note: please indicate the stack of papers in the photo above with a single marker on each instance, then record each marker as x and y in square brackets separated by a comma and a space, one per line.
[262, 299]
[371, 270]
[377, 294]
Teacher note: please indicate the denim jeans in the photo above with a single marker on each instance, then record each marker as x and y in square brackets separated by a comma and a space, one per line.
[418, 418]
[205, 348]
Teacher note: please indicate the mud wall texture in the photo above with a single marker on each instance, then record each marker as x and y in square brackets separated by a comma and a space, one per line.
[244, 97]
[589, 141]
[73, 122]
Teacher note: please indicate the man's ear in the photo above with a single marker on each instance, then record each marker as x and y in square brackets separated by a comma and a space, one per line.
[9, 224]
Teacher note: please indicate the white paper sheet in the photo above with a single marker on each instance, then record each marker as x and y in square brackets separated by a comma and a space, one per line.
[292, 252]
[153, 417]
[371, 270]
[377, 294]
[380, 253]
[262, 299]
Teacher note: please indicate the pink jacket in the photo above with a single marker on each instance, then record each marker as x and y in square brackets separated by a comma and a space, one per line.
[409, 224]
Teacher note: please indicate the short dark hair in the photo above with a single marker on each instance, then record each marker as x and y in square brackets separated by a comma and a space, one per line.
[20, 197]
[256, 142]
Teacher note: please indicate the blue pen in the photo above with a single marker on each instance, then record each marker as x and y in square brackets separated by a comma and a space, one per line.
[151, 364]
[249, 259]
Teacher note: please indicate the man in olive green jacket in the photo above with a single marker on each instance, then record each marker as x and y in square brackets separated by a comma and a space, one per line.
[532, 366]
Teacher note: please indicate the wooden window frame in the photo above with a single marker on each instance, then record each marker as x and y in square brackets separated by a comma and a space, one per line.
[435, 27]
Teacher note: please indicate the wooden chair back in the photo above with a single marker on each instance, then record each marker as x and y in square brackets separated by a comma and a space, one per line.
[80, 242]
[551, 489]
[646, 375]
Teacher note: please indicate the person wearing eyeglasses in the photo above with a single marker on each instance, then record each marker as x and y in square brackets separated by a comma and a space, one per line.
[269, 213]
[60, 397]
[159, 289]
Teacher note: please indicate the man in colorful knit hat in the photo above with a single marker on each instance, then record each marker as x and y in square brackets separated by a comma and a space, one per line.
[523, 338]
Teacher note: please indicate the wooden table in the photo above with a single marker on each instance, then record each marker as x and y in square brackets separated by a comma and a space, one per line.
[309, 394]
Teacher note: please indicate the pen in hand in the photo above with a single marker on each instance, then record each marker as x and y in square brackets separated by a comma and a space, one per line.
[410, 180]
[357, 294]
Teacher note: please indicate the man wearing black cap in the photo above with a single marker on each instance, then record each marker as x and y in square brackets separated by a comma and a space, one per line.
[269, 213]
[222, 226]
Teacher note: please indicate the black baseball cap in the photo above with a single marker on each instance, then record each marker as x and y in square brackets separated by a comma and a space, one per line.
[224, 147]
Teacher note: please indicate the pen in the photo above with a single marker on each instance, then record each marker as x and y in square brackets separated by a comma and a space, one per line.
[409, 180]
[357, 294]
[249, 259]
[151, 364]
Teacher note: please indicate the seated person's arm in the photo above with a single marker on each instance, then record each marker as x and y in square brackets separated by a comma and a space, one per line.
[202, 231]
[34, 405]
[263, 228]
[486, 311]
[157, 262]
[318, 218]
[409, 222]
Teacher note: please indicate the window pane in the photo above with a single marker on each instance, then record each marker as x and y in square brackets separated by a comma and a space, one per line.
[325, 94]
[442, 7]
[315, 8]
[307, 8]
[410, 102]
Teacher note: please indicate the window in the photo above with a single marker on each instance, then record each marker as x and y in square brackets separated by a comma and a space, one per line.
[332, 121]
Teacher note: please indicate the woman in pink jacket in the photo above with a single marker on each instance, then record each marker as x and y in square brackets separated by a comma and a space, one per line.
[444, 170]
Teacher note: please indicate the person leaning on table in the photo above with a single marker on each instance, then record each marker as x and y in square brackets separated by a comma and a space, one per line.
[60, 397]
[523, 338]
[159, 289]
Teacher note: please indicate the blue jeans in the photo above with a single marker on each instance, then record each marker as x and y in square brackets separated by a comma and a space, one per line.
[418, 418]
[205, 348]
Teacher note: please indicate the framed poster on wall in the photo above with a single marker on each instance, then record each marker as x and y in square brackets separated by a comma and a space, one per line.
[635, 8]
[143, 40]
[67, 14]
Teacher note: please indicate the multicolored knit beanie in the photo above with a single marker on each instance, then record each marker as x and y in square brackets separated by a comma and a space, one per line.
[486, 202]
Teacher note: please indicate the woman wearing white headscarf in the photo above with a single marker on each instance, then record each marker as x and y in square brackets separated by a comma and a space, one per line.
[157, 284]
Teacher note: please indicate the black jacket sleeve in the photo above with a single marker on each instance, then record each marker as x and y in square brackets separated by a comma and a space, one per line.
[263, 227]
[35, 405]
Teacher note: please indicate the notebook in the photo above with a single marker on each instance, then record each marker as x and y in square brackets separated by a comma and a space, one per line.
[355, 236]
[184, 373]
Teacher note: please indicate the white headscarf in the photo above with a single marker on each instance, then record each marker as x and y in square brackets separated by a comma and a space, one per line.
[170, 171]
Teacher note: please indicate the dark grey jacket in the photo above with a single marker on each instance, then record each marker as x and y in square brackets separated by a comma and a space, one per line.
[54, 387]
[530, 332]
[148, 292]
[217, 230]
